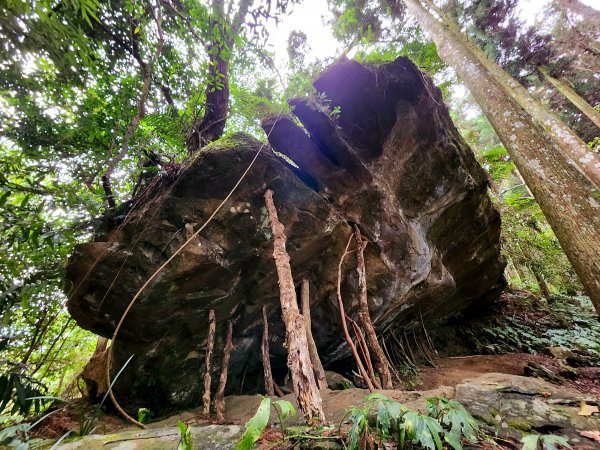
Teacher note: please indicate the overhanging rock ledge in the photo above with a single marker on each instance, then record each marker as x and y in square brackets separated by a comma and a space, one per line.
[391, 161]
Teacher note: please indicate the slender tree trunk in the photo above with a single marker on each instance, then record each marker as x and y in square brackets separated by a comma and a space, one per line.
[141, 109]
[381, 362]
[219, 397]
[303, 379]
[580, 8]
[565, 140]
[572, 96]
[270, 391]
[569, 201]
[212, 125]
[312, 346]
[39, 326]
[511, 270]
[539, 278]
[210, 343]
[216, 107]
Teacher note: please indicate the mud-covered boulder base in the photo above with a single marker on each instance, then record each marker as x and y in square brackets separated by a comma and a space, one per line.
[377, 149]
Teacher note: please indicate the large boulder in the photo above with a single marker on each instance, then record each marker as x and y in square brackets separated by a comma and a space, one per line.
[378, 149]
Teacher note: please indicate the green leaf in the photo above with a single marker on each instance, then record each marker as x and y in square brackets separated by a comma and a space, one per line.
[185, 442]
[454, 440]
[383, 419]
[144, 415]
[4, 198]
[395, 409]
[256, 425]
[435, 429]
[530, 442]
[457, 417]
[550, 441]
[25, 201]
[285, 408]
[359, 421]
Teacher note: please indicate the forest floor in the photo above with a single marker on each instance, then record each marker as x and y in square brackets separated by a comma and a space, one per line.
[558, 372]
[455, 370]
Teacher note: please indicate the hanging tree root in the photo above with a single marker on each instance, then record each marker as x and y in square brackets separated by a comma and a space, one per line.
[210, 343]
[269, 390]
[381, 361]
[361, 368]
[219, 402]
[312, 346]
[278, 390]
[303, 379]
[364, 350]
[155, 275]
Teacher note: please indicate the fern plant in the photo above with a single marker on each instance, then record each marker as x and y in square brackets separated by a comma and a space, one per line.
[454, 416]
[444, 418]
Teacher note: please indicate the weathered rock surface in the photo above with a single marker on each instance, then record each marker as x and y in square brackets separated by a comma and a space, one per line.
[517, 405]
[511, 406]
[213, 437]
[391, 162]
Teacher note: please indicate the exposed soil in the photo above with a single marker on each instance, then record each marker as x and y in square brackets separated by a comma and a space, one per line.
[454, 370]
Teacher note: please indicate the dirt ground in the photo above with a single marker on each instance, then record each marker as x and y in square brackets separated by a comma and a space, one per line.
[452, 371]
[430, 382]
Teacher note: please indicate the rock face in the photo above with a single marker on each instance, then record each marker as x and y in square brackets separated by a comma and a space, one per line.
[390, 161]
[518, 406]
[214, 437]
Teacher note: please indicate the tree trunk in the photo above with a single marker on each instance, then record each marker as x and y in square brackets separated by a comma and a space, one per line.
[210, 342]
[219, 397]
[220, 50]
[511, 270]
[539, 278]
[216, 107]
[564, 138]
[312, 346]
[269, 389]
[306, 390]
[381, 362]
[580, 8]
[569, 201]
[572, 96]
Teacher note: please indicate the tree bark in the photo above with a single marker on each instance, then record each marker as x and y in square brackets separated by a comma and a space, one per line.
[269, 389]
[539, 278]
[572, 96]
[216, 107]
[580, 8]
[312, 346]
[569, 201]
[381, 362]
[210, 342]
[303, 380]
[220, 49]
[219, 401]
[563, 137]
